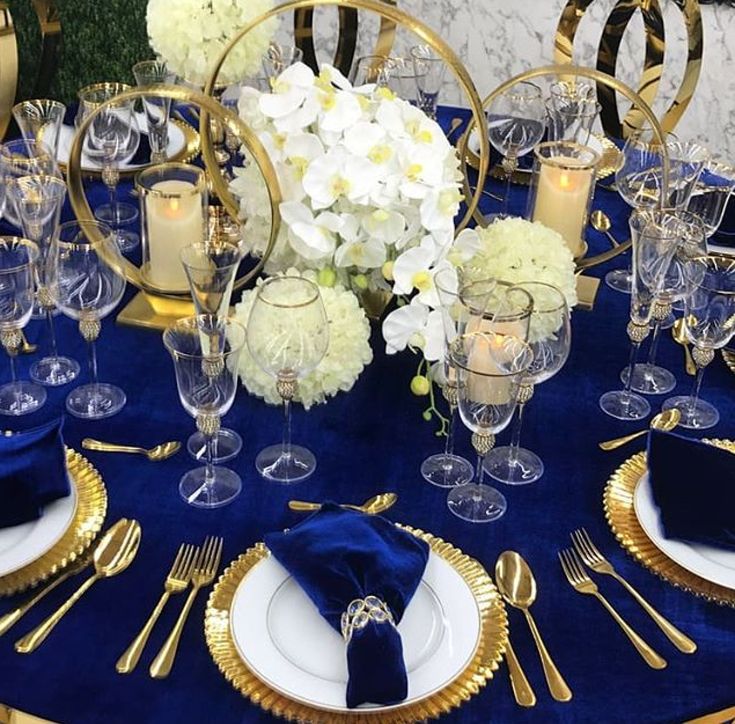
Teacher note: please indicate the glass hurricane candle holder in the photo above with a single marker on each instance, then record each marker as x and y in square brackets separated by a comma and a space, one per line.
[562, 186]
[173, 207]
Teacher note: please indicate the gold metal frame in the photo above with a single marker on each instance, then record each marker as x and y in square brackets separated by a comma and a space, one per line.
[398, 17]
[232, 123]
[576, 71]
[615, 26]
[621, 517]
[8, 66]
[492, 644]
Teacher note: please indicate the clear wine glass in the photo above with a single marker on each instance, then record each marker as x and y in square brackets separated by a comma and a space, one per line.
[709, 198]
[157, 108]
[549, 339]
[429, 69]
[405, 78]
[83, 273]
[205, 350]
[516, 123]
[37, 201]
[710, 325]
[211, 268]
[655, 234]
[18, 258]
[488, 366]
[287, 335]
[40, 119]
[376, 69]
[113, 138]
[278, 57]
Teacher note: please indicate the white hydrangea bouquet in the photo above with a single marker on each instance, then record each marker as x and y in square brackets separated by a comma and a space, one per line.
[190, 36]
[370, 184]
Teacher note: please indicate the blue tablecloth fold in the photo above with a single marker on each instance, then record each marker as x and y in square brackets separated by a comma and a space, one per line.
[338, 556]
[32, 472]
[694, 487]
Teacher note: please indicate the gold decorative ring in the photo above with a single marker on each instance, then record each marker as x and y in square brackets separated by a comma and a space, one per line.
[231, 122]
[388, 12]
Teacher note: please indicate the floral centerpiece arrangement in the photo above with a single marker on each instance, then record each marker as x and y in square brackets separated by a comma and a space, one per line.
[190, 36]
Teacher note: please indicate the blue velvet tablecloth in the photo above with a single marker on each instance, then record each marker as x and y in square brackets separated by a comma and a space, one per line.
[374, 439]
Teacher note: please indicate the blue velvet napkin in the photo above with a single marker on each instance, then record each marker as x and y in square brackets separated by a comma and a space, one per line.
[694, 486]
[32, 472]
[338, 556]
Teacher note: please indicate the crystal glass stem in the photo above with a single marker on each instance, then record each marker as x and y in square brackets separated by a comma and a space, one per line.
[209, 462]
[515, 438]
[510, 164]
[634, 348]
[92, 351]
[653, 349]
[13, 371]
[696, 388]
[449, 442]
[51, 331]
[482, 443]
[110, 176]
[287, 427]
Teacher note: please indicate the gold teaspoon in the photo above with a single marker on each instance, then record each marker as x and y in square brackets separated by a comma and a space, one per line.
[372, 506]
[601, 222]
[159, 452]
[665, 421]
[678, 332]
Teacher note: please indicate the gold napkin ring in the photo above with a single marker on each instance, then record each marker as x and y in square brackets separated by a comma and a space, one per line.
[363, 610]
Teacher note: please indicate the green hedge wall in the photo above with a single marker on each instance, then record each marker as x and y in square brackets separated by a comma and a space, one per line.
[102, 39]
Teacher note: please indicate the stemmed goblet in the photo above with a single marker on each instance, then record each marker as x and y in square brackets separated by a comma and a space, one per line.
[40, 119]
[377, 69]
[18, 258]
[157, 109]
[549, 339]
[278, 57]
[37, 201]
[205, 350]
[83, 273]
[710, 324]
[429, 70]
[516, 123]
[210, 269]
[287, 335]
[711, 194]
[488, 366]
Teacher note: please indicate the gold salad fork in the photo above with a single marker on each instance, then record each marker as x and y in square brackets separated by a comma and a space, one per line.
[591, 555]
[582, 583]
[203, 573]
[176, 582]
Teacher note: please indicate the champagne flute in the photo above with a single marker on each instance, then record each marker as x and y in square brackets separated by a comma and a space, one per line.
[83, 272]
[376, 69]
[288, 335]
[210, 269]
[550, 337]
[205, 350]
[157, 109]
[429, 69]
[489, 366]
[37, 201]
[710, 324]
[18, 258]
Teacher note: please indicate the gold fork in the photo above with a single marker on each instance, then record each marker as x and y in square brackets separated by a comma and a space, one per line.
[597, 562]
[176, 582]
[203, 573]
[582, 583]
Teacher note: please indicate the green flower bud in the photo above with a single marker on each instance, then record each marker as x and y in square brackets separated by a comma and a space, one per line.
[360, 281]
[420, 386]
[326, 277]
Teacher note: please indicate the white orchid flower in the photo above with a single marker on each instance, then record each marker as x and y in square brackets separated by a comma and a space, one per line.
[367, 254]
[338, 111]
[314, 238]
[387, 226]
[440, 206]
[466, 245]
[419, 172]
[289, 91]
[415, 325]
[412, 269]
[297, 152]
[339, 174]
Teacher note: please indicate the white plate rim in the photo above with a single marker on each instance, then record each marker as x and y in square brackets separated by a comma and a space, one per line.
[368, 709]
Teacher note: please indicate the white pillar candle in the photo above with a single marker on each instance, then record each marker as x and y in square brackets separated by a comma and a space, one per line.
[561, 201]
[174, 221]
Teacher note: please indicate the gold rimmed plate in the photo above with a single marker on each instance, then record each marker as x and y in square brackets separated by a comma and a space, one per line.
[620, 504]
[183, 147]
[293, 666]
[90, 500]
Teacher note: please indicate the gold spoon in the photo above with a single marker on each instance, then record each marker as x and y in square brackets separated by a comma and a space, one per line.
[518, 587]
[666, 421]
[25, 346]
[601, 222]
[453, 126]
[114, 553]
[372, 506]
[158, 452]
[678, 332]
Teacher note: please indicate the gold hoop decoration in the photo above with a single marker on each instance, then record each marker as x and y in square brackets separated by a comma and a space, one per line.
[653, 65]
[8, 66]
[344, 54]
[400, 18]
[601, 79]
[230, 122]
[49, 21]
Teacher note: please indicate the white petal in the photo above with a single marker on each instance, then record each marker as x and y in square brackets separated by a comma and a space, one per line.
[401, 324]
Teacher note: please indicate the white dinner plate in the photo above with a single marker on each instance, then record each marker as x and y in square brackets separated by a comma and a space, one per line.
[23, 544]
[716, 565]
[473, 144]
[281, 636]
[176, 143]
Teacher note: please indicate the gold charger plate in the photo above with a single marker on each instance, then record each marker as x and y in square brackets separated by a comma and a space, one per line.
[187, 153]
[621, 517]
[87, 522]
[608, 163]
[491, 646]
[729, 356]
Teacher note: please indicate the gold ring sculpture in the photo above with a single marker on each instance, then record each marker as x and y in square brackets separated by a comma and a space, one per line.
[601, 79]
[607, 56]
[344, 54]
[175, 307]
[8, 66]
[398, 17]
